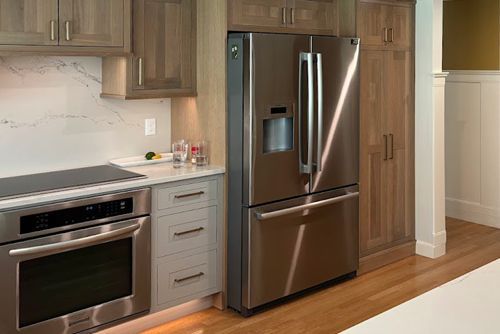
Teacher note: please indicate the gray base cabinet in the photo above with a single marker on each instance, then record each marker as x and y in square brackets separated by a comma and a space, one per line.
[186, 241]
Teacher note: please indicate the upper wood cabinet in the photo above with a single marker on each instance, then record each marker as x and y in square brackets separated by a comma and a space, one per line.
[286, 16]
[91, 22]
[28, 22]
[164, 61]
[94, 27]
[386, 25]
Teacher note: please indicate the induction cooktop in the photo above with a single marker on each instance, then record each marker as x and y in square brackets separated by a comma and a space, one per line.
[18, 186]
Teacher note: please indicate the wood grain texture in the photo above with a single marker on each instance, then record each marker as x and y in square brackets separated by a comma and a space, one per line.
[91, 23]
[335, 309]
[204, 117]
[387, 186]
[27, 22]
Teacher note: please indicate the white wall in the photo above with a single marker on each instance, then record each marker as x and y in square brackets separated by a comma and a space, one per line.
[430, 227]
[473, 147]
[51, 117]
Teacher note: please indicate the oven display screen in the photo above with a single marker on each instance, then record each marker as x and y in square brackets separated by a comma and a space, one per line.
[60, 284]
[64, 217]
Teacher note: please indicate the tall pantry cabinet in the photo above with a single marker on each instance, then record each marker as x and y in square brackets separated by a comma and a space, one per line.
[387, 209]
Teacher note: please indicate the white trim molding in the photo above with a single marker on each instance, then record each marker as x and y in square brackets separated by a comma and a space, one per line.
[430, 81]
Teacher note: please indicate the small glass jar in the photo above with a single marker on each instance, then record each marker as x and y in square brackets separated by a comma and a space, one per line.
[202, 156]
[179, 153]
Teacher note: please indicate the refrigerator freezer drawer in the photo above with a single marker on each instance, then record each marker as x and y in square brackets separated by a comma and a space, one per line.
[298, 244]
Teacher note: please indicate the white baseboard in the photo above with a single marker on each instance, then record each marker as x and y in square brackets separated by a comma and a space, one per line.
[156, 319]
[429, 250]
[472, 212]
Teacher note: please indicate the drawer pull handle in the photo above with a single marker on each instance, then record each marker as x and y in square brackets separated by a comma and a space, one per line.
[190, 195]
[180, 280]
[178, 234]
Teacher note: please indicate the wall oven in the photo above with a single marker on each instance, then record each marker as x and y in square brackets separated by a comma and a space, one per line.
[75, 266]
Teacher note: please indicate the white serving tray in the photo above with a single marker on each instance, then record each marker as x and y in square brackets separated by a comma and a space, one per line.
[140, 161]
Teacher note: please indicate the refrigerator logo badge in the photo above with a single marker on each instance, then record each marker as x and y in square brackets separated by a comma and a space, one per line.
[234, 52]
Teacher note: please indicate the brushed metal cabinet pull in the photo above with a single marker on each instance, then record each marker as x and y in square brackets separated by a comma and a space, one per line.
[386, 35]
[66, 28]
[52, 30]
[180, 280]
[391, 34]
[189, 195]
[391, 139]
[178, 234]
[292, 15]
[140, 75]
[283, 15]
[386, 154]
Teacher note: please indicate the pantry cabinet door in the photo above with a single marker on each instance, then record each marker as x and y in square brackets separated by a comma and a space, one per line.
[28, 22]
[94, 23]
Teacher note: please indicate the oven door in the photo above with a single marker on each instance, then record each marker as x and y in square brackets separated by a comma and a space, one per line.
[69, 282]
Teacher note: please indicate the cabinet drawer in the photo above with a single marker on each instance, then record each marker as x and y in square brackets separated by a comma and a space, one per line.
[187, 194]
[187, 276]
[186, 230]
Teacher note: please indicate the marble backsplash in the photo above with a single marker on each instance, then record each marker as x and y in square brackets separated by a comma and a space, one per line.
[52, 117]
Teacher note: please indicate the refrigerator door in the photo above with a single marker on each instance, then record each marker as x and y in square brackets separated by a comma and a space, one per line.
[297, 244]
[271, 151]
[336, 146]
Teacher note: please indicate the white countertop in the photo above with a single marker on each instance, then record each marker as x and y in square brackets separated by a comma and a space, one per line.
[468, 304]
[156, 174]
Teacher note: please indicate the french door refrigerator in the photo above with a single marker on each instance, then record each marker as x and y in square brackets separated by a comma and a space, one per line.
[293, 170]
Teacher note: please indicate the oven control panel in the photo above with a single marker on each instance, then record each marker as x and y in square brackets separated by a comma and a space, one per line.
[75, 215]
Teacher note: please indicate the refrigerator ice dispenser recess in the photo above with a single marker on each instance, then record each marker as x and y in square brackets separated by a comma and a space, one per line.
[278, 132]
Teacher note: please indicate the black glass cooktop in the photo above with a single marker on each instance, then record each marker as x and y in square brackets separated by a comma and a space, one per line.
[66, 179]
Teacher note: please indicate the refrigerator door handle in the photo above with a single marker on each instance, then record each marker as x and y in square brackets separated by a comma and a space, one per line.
[308, 206]
[309, 58]
[319, 61]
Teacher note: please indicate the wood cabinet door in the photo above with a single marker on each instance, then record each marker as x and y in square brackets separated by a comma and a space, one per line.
[95, 23]
[401, 25]
[398, 124]
[372, 24]
[373, 228]
[164, 45]
[28, 22]
[257, 15]
[313, 16]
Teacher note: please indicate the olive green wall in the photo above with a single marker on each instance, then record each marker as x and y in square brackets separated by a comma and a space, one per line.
[471, 35]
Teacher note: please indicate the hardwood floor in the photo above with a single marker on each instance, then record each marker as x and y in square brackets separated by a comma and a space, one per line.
[332, 310]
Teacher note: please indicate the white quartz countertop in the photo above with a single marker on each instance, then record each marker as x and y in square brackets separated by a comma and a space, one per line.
[156, 174]
[468, 304]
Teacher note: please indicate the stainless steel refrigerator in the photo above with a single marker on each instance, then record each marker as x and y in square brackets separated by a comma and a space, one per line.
[293, 132]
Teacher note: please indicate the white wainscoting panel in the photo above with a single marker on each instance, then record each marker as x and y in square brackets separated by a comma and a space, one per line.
[473, 146]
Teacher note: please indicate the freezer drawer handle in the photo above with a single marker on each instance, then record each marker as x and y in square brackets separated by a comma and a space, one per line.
[70, 244]
[287, 211]
[199, 193]
[180, 280]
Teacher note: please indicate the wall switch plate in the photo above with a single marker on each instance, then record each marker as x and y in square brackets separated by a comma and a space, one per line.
[150, 127]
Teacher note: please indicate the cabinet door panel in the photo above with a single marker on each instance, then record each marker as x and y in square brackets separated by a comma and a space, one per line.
[257, 13]
[398, 96]
[28, 22]
[401, 24]
[395, 197]
[313, 16]
[163, 39]
[372, 22]
[91, 23]
[373, 229]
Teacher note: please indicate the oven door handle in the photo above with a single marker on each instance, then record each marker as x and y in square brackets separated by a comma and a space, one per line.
[70, 244]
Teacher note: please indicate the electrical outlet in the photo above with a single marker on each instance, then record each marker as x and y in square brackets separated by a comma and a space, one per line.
[150, 127]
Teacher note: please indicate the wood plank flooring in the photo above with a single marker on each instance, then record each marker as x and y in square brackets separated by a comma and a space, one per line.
[332, 310]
